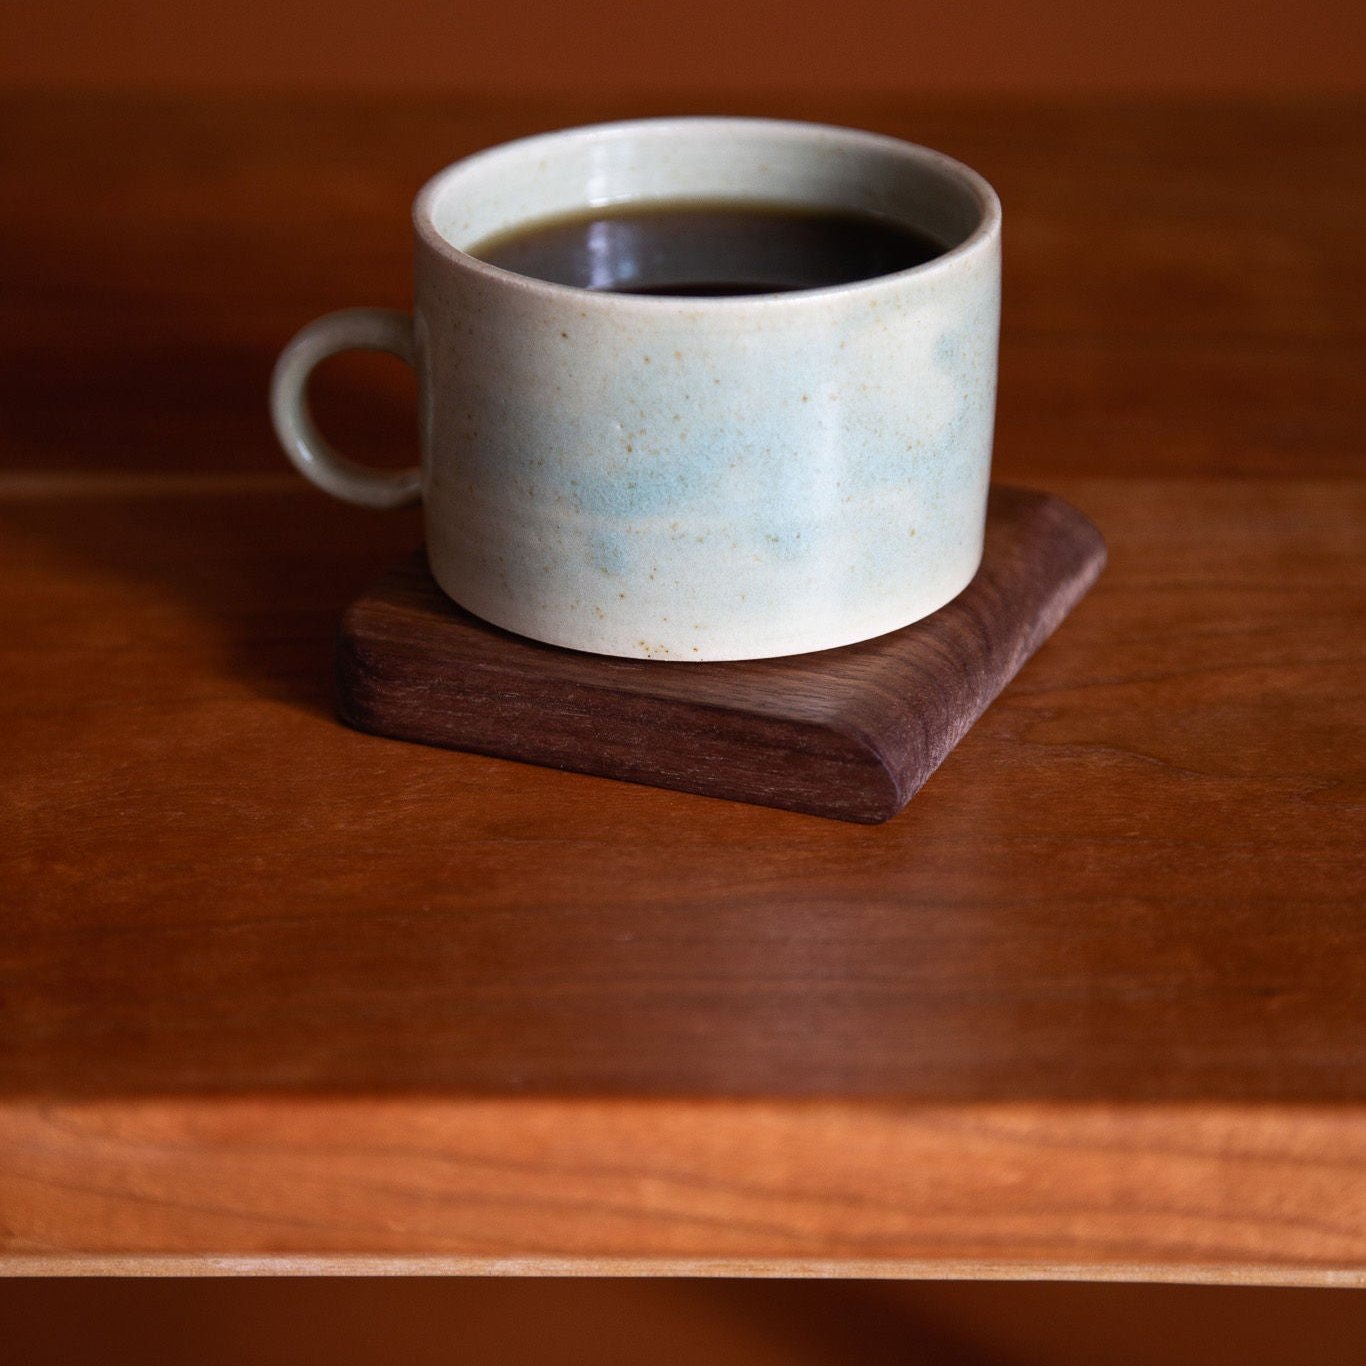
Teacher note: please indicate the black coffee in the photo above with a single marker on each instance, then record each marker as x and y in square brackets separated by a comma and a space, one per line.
[702, 249]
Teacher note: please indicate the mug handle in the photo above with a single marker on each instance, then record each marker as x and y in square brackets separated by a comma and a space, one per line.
[365, 329]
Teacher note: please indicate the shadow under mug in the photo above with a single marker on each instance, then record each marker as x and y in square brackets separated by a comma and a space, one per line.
[688, 478]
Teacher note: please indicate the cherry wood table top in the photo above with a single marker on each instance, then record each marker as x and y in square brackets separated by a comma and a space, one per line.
[279, 996]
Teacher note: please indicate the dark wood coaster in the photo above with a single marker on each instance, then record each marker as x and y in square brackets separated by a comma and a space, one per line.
[850, 733]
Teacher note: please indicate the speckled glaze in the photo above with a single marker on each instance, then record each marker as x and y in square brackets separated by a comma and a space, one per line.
[685, 478]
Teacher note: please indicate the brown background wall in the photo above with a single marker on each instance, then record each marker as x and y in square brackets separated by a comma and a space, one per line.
[700, 46]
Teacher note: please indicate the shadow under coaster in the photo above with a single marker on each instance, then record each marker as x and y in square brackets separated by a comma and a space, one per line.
[850, 733]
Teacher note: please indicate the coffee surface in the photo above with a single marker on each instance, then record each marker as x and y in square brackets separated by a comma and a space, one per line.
[707, 249]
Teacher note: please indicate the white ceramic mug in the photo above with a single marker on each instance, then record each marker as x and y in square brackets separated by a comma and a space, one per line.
[688, 478]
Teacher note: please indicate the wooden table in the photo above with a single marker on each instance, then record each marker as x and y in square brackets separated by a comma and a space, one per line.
[277, 996]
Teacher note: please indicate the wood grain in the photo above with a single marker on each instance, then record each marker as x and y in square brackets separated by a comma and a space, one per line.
[1167, 312]
[270, 986]
[851, 733]
[593, 1187]
[1137, 878]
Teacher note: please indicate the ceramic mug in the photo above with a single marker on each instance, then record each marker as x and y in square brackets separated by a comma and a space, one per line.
[688, 478]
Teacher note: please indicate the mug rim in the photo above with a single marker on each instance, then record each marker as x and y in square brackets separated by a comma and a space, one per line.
[986, 230]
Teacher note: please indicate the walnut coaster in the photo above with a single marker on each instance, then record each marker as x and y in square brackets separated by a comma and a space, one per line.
[850, 733]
